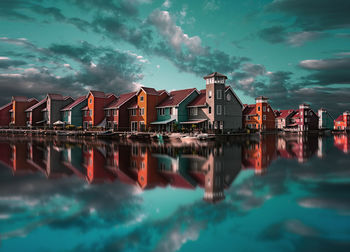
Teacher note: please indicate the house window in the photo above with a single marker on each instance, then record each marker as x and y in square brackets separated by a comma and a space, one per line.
[264, 108]
[248, 117]
[107, 112]
[194, 111]
[170, 111]
[90, 101]
[219, 94]
[142, 165]
[305, 119]
[133, 112]
[85, 113]
[209, 94]
[268, 109]
[90, 112]
[218, 109]
[142, 111]
[161, 111]
[115, 112]
[258, 117]
[259, 108]
[264, 117]
[141, 98]
[209, 110]
[228, 97]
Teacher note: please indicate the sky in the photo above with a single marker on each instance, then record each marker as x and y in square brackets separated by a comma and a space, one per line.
[292, 51]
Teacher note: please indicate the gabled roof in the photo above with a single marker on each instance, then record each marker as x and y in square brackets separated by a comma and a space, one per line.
[56, 96]
[6, 105]
[123, 98]
[98, 94]
[215, 74]
[75, 103]
[249, 110]
[19, 98]
[149, 91]
[176, 97]
[200, 100]
[282, 114]
[35, 105]
[133, 105]
[32, 99]
[339, 118]
[229, 88]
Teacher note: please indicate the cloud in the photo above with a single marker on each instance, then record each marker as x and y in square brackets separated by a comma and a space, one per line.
[6, 63]
[314, 15]
[173, 33]
[166, 4]
[279, 34]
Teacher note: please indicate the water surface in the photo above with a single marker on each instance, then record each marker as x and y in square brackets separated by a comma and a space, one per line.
[268, 193]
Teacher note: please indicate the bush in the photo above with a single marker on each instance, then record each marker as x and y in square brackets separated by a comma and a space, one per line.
[70, 127]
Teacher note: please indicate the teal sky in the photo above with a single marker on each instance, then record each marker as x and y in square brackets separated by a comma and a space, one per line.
[291, 51]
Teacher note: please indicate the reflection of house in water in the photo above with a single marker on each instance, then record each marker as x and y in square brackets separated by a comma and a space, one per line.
[300, 146]
[94, 162]
[19, 163]
[259, 155]
[72, 158]
[5, 154]
[54, 165]
[145, 165]
[342, 142]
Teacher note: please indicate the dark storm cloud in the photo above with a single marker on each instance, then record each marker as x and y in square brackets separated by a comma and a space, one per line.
[316, 15]
[100, 68]
[275, 34]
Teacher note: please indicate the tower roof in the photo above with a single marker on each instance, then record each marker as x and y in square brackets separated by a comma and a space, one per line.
[215, 74]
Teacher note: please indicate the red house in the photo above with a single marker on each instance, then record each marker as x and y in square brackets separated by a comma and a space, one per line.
[94, 112]
[342, 122]
[117, 113]
[19, 105]
[5, 118]
[304, 119]
[283, 118]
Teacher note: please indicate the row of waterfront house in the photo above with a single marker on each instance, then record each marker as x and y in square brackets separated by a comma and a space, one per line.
[215, 108]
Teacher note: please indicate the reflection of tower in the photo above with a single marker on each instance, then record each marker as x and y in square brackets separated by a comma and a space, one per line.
[320, 147]
[54, 166]
[214, 180]
[19, 159]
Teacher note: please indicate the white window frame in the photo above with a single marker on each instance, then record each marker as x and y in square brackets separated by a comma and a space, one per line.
[210, 94]
[219, 94]
[142, 111]
[228, 97]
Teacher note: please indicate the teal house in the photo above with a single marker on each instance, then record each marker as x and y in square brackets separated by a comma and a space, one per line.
[173, 110]
[73, 114]
[325, 120]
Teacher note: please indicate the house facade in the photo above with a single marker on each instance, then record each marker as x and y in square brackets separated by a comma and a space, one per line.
[173, 110]
[143, 111]
[342, 122]
[283, 118]
[19, 106]
[5, 117]
[54, 104]
[72, 114]
[198, 112]
[325, 120]
[117, 113]
[93, 113]
[35, 115]
[304, 119]
[259, 116]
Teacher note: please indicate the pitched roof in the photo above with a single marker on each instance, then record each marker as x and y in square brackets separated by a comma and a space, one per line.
[227, 88]
[133, 105]
[176, 97]
[75, 103]
[121, 100]
[19, 98]
[56, 96]
[150, 91]
[284, 113]
[36, 105]
[249, 110]
[98, 94]
[6, 105]
[215, 74]
[339, 118]
[199, 101]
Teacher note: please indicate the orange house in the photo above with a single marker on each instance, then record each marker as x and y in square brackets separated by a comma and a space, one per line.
[94, 114]
[259, 116]
[342, 122]
[143, 111]
[19, 105]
